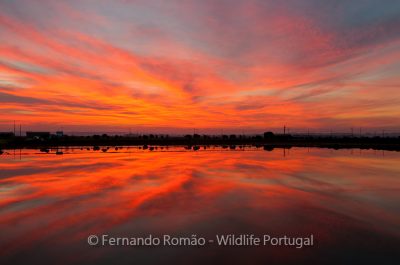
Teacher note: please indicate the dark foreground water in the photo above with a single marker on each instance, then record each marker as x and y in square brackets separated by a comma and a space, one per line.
[348, 200]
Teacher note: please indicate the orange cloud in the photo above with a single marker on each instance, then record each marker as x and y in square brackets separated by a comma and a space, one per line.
[247, 65]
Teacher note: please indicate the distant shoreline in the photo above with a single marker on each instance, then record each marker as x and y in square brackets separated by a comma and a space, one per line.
[267, 141]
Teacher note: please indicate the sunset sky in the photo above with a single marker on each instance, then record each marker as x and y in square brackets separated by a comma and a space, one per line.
[171, 66]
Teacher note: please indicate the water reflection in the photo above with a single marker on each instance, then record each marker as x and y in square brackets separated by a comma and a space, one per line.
[49, 204]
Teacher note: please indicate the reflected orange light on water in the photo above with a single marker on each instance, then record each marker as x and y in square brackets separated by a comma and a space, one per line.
[55, 202]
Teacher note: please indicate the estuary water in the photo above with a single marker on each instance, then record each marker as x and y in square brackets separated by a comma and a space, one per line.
[348, 201]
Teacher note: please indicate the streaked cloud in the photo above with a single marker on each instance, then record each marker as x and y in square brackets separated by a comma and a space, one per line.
[203, 64]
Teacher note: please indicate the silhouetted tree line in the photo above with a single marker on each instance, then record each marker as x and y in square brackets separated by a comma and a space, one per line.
[267, 140]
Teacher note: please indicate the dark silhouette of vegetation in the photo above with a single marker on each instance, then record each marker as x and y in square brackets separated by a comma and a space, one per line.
[267, 141]
[269, 135]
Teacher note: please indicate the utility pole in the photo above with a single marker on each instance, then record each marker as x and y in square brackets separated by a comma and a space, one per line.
[14, 127]
[284, 130]
[20, 131]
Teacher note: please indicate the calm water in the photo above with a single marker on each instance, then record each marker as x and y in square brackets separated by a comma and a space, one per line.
[348, 199]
